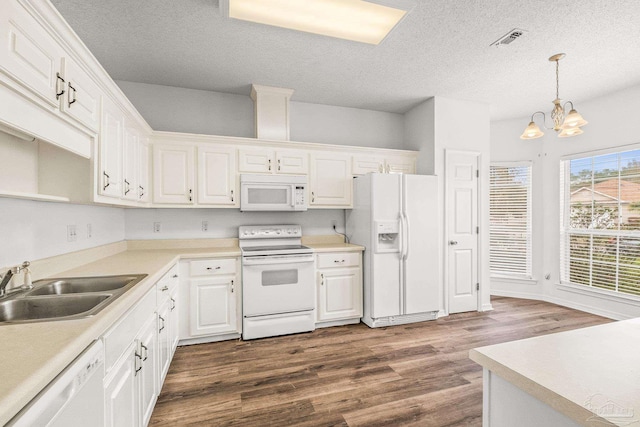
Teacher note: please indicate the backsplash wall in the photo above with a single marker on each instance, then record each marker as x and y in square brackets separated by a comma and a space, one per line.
[222, 223]
[32, 230]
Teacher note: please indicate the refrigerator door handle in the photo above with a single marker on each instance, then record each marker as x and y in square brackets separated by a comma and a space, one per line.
[405, 240]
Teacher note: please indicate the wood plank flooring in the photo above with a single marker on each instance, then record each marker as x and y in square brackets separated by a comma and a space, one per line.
[408, 375]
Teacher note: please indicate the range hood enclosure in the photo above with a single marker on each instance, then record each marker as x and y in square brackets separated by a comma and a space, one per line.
[271, 112]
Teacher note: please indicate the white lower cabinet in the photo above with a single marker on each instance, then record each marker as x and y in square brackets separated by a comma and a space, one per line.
[138, 352]
[211, 294]
[339, 286]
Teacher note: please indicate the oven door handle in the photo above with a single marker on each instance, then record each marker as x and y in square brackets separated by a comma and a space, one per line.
[271, 260]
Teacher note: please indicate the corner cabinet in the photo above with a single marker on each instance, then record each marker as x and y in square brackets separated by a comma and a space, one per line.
[211, 295]
[339, 287]
[330, 180]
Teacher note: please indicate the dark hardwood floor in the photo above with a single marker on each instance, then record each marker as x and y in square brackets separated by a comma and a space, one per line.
[407, 375]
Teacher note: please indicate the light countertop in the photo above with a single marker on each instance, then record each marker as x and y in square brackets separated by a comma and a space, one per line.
[575, 372]
[32, 354]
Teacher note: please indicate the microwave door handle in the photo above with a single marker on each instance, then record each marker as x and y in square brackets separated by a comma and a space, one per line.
[293, 195]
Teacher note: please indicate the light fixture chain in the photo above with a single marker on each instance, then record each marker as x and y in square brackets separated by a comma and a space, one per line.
[557, 79]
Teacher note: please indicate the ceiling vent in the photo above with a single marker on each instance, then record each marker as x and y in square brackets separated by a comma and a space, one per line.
[508, 38]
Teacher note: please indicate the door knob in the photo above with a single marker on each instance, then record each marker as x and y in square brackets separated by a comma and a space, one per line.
[453, 242]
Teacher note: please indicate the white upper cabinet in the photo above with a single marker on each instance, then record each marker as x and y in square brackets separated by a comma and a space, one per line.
[111, 145]
[173, 173]
[82, 96]
[330, 181]
[217, 183]
[383, 164]
[28, 54]
[295, 162]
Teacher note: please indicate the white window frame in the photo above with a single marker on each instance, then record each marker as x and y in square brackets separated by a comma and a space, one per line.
[566, 231]
[528, 263]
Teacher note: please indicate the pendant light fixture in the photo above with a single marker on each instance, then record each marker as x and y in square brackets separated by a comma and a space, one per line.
[568, 125]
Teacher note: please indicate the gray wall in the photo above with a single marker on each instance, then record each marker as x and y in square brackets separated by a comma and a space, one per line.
[196, 111]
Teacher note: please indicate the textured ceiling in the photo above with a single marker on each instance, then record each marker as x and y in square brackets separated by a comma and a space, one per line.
[440, 49]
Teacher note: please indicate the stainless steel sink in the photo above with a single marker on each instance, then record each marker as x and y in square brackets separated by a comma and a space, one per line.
[64, 298]
[47, 308]
[76, 285]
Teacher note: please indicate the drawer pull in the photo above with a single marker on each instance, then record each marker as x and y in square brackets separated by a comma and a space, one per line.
[211, 268]
[173, 304]
[338, 261]
[164, 288]
[162, 327]
[232, 287]
[146, 352]
[175, 276]
[321, 279]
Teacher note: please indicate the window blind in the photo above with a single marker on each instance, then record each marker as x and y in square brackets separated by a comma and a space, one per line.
[600, 217]
[510, 220]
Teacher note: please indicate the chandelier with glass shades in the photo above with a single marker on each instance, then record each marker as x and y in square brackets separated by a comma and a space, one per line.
[568, 125]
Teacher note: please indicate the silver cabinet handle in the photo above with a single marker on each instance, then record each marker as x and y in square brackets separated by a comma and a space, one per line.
[313, 197]
[59, 87]
[232, 195]
[135, 363]
[140, 191]
[232, 286]
[321, 279]
[190, 195]
[146, 352]
[338, 261]
[269, 164]
[127, 187]
[71, 100]
[105, 180]
[173, 304]
[211, 268]
[164, 288]
[279, 168]
[453, 242]
[175, 276]
[162, 327]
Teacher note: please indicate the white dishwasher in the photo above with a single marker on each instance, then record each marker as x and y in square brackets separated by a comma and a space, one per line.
[74, 398]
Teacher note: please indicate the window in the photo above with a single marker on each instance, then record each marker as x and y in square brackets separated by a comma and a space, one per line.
[600, 222]
[510, 220]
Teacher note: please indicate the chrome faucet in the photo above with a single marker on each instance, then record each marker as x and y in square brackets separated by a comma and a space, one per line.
[12, 272]
[5, 281]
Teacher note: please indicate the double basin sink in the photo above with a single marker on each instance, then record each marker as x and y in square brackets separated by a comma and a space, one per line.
[64, 299]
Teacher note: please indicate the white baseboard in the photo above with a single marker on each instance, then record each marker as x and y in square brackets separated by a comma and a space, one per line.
[486, 307]
[598, 311]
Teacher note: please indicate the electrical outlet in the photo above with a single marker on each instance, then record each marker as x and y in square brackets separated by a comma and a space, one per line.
[89, 231]
[71, 233]
[205, 225]
[156, 227]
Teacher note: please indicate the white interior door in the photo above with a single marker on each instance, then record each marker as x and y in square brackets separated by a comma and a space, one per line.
[462, 234]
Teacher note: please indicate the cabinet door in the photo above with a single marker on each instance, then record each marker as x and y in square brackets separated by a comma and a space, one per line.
[292, 162]
[217, 176]
[111, 142]
[400, 165]
[174, 319]
[143, 171]
[82, 98]
[339, 293]
[147, 376]
[28, 54]
[121, 403]
[255, 161]
[213, 306]
[173, 169]
[164, 341]
[130, 164]
[330, 181]
[365, 164]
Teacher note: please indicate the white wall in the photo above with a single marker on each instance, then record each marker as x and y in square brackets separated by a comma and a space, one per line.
[19, 170]
[187, 223]
[32, 230]
[612, 123]
[419, 134]
[205, 112]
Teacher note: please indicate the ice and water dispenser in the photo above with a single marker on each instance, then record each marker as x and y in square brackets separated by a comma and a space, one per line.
[387, 236]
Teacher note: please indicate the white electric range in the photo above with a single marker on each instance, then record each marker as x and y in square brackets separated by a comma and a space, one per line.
[277, 281]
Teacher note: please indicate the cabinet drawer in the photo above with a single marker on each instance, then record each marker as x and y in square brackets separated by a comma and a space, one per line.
[207, 267]
[338, 259]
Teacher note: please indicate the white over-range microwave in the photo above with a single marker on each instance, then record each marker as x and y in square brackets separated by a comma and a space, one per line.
[273, 193]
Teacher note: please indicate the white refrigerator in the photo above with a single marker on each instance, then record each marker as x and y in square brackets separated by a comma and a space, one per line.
[395, 217]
